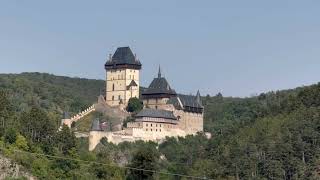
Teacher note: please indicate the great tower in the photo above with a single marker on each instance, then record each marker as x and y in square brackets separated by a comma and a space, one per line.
[122, 77]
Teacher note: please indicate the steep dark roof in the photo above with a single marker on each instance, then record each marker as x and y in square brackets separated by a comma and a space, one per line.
[187, 103]
[190, 101]
[133, 83]
[123, 57]
[175, 102]
[156, 113]
[159, 86]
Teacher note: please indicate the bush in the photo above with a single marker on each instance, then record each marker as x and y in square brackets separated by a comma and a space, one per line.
[10, 136]
[134, 105]
[21, 143]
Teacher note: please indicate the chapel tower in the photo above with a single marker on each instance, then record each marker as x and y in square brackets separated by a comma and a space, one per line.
[123, 75]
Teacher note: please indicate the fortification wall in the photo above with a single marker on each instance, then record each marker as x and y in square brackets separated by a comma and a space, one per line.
[131, 135]
[77, 117]
[190, 122]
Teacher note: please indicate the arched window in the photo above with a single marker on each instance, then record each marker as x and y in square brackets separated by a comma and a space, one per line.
[112, 87]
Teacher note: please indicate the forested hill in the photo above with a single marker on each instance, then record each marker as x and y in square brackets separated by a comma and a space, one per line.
[274, 135]
[53, 93]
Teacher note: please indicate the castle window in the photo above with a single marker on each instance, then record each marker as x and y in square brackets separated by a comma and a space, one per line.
[147, 124]
[112, 87]
[160, 130]
[156, 125]
[151, 129]
[112, 98]
[157, 130]
[156, 107]
[151, 125]
[160, 125]
[146, 129]
[133, 77]
[119, 97]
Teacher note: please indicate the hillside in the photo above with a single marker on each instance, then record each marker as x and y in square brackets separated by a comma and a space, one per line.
[53, 93]
[275, 135]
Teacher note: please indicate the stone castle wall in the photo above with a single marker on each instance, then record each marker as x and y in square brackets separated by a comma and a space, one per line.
[77, 117]
[188, 121]
[117, 82]
[134, 134]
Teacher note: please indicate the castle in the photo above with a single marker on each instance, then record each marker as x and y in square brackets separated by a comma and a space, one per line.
[165, 113]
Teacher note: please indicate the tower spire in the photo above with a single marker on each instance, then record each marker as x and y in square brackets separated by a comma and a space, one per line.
[159, 73]
[198, 98]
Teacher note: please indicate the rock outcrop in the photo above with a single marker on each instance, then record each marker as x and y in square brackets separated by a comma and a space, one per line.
[10, 169]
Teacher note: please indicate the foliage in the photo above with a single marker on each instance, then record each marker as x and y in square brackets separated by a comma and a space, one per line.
[21, 143]
[53, 93]
[134, 105]
[37, 126]
[145, 158]
[274, 135]
[10, 136]
[65, 140]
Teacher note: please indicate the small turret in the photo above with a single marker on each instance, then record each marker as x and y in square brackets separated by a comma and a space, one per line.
[96, 125]
[66, 115]
[198, 98]
[159, 73]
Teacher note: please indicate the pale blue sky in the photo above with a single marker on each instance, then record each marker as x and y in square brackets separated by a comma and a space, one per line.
[235, 47]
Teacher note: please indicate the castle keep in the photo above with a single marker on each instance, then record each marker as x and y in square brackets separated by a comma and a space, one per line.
[123, 73]
[166, 113]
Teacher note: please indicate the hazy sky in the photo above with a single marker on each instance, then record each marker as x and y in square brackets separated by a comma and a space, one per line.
[235, 47]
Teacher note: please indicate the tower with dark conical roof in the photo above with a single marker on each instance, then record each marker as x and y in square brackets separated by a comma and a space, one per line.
[158, 92]
[123, 77]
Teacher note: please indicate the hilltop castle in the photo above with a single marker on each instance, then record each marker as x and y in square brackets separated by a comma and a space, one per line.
[165, 112]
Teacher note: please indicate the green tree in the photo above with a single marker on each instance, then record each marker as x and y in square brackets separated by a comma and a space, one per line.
[65, 140]
[6, 111]
[10, 136]
[147, 158]
[134, 105]
[21, 143]
[37, 126]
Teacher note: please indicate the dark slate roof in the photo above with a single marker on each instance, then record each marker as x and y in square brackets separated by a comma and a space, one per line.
[156, 113]
[175, 102]
[96, 125]
[159, 86]
[187, 102]
[123, 56]
[190, 101]
[133, 83]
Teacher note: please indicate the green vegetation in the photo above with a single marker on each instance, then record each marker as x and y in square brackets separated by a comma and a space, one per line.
[55, 94]
[271, 136]
[134, 105]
